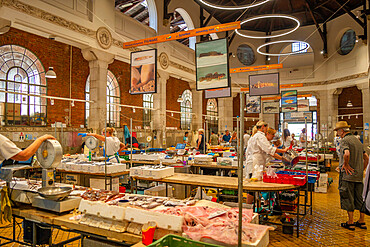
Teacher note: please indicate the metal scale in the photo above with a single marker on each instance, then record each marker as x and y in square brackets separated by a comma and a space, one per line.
[92, 144]
[50, 197]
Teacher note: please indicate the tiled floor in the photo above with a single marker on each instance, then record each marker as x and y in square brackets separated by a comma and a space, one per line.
[320, 229]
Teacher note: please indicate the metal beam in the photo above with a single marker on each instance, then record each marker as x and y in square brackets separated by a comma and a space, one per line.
[349, 12]
[322, 34]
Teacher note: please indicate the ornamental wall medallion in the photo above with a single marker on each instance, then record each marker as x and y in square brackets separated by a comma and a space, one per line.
[163, 60]
[104, 37]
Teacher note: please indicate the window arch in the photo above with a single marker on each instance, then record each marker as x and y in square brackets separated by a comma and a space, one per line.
[144, 11]
[113, 96]
[22, 72]
[183, 22]
[147, 103]
[186, 107]
[212, 115]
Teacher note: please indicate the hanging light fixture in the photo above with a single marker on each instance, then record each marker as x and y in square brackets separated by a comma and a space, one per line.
[51, 73]
[180, 99]
[349, 103]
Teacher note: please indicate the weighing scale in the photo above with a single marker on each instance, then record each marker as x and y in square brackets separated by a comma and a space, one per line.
[50, 155]
[92, 144]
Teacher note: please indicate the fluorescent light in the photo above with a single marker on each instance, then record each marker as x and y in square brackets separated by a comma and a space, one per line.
[269, 16]
[282, 54]
[51, 73]
[223, 7]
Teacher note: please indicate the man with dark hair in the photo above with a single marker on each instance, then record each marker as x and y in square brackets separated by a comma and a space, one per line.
[226, 137]
[213, 140]
[352, 163]
[186, 138]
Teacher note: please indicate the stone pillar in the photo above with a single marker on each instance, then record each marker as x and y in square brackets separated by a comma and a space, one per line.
[365, 110]
[225, 114]
[329, 111]
[98, 63]
[196, 122]
[159, 115]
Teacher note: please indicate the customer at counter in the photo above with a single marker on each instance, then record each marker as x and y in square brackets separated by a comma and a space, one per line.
[287, 139]
[213, 140]
[226, 137]
[234, 140]
[201, 141]
[303, 138]
[353, 161]
[186, 138]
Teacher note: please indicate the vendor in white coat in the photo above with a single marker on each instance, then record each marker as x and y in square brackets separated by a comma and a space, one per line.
[259, 148]
[113, 143]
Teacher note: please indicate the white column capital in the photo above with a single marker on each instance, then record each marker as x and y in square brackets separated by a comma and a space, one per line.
[93, 54]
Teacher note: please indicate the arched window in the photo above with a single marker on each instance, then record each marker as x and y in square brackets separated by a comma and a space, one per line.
[22, 72]
[186, 107]
[182, 22]
[144, 11]
[113, 97]
[147, 103]
[212, 115]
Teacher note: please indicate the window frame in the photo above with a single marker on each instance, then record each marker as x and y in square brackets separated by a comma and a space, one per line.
[15, 57]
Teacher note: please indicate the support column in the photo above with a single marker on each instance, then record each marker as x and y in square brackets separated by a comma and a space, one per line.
[225, 114]
[159, 115]
[365, 110]
[98, 64]
[329, 111]
[196, 122]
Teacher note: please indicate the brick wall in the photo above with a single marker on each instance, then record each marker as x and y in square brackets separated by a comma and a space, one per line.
[121, 71]
[174, 88]
[55, 54]
[355, 95]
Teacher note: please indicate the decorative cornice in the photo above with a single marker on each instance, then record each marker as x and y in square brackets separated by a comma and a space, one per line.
[340, 79]
[46, 16]
[181, 67]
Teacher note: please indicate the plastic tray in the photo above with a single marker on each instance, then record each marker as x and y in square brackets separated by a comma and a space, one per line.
[298, 180]
[311, 179]
[171, 240]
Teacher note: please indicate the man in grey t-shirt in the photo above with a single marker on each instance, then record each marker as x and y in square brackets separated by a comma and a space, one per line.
[352, 162]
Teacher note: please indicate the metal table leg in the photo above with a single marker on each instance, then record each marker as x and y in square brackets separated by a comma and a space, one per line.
[299, 194]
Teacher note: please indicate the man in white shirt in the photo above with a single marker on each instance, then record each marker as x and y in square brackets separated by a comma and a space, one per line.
[8, 150]
[246, 138]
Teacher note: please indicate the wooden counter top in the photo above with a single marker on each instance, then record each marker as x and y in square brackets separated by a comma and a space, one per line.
[63, 221]
[220, 182]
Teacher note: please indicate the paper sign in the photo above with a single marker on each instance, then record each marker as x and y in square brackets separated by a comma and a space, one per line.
[28, 137]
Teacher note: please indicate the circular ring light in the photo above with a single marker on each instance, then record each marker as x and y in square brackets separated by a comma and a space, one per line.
[282, 54]
[269, 16]
[223, 7]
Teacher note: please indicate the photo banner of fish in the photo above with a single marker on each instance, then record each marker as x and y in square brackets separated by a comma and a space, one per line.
[289, 101]
[264, 84]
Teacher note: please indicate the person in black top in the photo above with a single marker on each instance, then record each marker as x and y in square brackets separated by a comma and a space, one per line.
[200, 141]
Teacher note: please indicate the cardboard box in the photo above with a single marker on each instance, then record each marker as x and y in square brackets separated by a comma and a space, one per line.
[13, 110]
[323, 180]
[159, 191]
[72, 179]
[321, 189]
[99, 183]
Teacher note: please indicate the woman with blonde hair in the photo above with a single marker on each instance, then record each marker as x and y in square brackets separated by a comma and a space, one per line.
[201, 141]
[113, 144]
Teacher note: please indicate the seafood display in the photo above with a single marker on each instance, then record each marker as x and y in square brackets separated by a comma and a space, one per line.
[220, 225]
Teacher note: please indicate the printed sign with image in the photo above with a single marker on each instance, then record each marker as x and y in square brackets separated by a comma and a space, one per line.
[144, 72]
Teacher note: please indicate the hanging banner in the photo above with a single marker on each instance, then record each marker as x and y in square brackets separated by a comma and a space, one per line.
[212, 64]
[264, 84]
[246, 89]
[256, 68]
[289, 101]
[218, 93]
[184, 34]
[143, 72]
